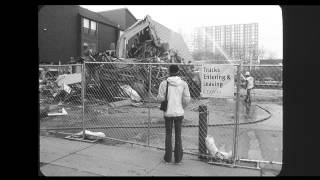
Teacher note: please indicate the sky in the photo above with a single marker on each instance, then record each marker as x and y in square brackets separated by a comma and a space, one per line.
[184, 18]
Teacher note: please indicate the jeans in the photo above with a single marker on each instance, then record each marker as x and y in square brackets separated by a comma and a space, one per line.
[248, 98]
[178, 152]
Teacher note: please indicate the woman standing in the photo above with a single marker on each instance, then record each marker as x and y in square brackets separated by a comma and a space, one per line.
[178, 97]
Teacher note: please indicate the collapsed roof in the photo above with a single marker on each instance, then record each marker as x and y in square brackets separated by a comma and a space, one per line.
[160, 35]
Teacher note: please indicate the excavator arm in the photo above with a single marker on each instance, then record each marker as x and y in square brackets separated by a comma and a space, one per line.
[128, 34]
[162, 37]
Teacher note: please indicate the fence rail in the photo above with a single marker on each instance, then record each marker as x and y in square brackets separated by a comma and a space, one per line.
[117, 98]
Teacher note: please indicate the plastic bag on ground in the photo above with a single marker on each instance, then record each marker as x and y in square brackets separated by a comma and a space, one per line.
[211, 146]
[96, 135]
[214, 151]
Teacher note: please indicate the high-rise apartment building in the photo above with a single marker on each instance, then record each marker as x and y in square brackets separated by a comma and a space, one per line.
[234, 42]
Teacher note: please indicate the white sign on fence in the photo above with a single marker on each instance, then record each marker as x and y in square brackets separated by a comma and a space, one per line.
[217, 80]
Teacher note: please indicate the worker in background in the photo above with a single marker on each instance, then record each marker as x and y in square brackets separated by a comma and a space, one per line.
[178, 97]
[87, 57]
[86, 52]
[167, 53]
[112, 49]
[249, 85]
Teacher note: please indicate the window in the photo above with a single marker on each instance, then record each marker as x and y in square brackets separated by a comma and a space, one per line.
[93, 28]
[89, 27]
[93, 25]
[86, 23]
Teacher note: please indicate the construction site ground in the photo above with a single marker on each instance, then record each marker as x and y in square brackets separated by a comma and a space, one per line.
[258, 141]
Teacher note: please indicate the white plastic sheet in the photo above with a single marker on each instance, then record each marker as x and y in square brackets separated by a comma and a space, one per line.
[68, 79]
[66, 88]
[131, 92]
[90, 133]
[214, 151]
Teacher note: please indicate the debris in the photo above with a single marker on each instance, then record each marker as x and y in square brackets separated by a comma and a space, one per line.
[211, 146]
[132, 93]
[137, 104]
[67, 88]
[63, 112]
[68, 79]
[140, 88]
[121, 103]
[214, 151]
[151, 39]
[90, 135]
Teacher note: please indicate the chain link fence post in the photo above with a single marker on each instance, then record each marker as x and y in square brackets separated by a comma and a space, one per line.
[203, 130]
[83, 78]
[59, 69]
[150, 96]
[235, 140]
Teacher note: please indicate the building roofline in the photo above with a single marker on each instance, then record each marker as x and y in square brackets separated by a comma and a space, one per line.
[112, 10]
[131, 14]
[118, 10]
[101, 18]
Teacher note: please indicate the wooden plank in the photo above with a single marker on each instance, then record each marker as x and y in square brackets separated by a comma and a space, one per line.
[120, 103]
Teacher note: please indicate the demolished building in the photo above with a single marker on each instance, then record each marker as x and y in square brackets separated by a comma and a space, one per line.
[148, 38]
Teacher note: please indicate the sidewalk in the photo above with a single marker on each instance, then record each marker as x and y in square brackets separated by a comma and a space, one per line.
[61, 157]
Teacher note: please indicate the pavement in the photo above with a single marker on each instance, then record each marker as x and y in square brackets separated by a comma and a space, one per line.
[63, 157]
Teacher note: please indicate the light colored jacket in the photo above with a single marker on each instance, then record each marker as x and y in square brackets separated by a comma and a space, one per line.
[178, 96]
[250, 81]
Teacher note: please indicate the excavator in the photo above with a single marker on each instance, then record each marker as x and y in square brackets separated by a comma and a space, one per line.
[150, 41]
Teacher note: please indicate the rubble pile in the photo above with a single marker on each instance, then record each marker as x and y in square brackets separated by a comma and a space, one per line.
[59, 88]
[146, 41]
[109, 78]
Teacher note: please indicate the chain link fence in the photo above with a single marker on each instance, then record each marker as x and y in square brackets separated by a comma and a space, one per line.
[118, 99]
[60, 97]
[262, 141]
